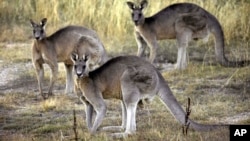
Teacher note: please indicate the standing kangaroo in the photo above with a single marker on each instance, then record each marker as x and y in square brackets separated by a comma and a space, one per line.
[183, 22]
[58, 48]
[130, 79]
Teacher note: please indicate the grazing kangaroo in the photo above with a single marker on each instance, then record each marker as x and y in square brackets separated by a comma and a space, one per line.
[130, 79]
[58, 48]
[183, 22]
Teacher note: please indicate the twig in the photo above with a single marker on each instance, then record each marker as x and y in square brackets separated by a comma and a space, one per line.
[62, 137]
[229, 79]
[75, 125]
[187, 123]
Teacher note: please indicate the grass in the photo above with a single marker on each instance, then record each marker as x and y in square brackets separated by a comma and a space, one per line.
[21, 53]
[116, 28]
[218, 94]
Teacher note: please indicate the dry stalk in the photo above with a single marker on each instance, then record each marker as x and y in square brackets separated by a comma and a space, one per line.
[186, 125]
[75, 126]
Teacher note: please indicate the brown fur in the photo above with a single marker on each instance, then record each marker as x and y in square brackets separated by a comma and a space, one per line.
[58, 48]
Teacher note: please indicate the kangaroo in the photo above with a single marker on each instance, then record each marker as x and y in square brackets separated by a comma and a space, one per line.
[180, 21]
[58, 48]
[129, 79]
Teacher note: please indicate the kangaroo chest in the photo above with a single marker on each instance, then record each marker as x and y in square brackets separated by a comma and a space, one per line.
[158, 32]
[108, 90]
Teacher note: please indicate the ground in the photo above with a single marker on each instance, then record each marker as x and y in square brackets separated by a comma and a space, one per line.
[218, 95]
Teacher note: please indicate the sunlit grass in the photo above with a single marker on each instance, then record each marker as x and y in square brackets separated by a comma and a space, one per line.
[55, 103]
[111, 19]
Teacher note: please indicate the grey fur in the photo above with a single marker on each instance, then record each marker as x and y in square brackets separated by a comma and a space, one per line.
[130, 79]
[183, 22]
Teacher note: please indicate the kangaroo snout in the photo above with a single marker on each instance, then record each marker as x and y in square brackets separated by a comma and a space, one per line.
[79, 75]
[37, 38]
[136, 22]
[80, 70]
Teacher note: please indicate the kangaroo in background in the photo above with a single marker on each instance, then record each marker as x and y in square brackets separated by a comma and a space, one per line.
[58, 48]
[183, 22]
[129, 79]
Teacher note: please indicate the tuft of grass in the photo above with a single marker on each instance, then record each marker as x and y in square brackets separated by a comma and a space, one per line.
[49, 105]
[55, 104]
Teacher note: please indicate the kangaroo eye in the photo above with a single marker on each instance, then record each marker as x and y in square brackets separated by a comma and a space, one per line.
[83, 67]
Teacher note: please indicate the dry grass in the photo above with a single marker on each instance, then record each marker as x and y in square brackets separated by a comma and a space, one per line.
[218, 94]
[110, 18]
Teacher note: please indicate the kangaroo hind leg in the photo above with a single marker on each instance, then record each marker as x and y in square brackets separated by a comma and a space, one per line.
[131, 97]
[182, 57]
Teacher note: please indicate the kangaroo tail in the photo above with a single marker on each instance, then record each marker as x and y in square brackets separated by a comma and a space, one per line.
[177, 111]
[217, 31]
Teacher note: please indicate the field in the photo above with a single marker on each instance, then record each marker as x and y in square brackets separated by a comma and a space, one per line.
[218, 94]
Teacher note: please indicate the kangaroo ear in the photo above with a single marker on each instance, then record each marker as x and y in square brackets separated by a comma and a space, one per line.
[85, 57]
[131, 5]
[43, 21]
[74, 56]
[144, 4]
[32, 23]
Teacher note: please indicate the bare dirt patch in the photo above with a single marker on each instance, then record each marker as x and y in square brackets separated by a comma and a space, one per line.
[13, 78]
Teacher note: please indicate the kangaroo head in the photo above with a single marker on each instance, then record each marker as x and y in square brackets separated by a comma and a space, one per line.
[80, 65]
[39, 29]
[137, 11]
